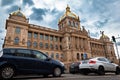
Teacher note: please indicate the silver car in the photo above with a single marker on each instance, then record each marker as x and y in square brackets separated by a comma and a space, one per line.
[98, 65]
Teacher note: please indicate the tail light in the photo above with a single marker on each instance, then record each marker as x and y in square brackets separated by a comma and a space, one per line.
[92, 62]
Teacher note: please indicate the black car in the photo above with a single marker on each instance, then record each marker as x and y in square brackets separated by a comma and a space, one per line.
[74, 67]
[16, 61]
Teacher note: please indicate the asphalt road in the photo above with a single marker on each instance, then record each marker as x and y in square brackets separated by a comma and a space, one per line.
[107, 76]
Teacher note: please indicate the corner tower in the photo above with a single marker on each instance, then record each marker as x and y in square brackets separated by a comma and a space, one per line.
[69, 21]
[17, 30]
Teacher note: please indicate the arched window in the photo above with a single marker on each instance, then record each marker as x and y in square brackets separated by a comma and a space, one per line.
[78, 56]
[57, 55]
[16, 40]
[35, 44]
[81, 56]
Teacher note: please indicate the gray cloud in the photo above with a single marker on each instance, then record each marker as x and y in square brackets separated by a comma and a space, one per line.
[7, 2]
[96, 34]
[30, 2]
[38, 14]
[100, 24]
[12, 8]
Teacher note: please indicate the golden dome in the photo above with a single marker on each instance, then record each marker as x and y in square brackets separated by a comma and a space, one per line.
[18, 13]
[103, 36]
[68, 13]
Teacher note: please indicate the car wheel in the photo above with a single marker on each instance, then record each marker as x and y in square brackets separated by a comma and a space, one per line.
[57, 72]
[117, 71]
[7, 72]
[101, 70]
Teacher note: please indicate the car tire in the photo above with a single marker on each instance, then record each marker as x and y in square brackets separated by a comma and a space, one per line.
[117, 71]
[7, 73]
[57, 72]
[101, 70]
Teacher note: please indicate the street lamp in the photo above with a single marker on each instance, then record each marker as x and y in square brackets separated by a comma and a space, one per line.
[114, 40]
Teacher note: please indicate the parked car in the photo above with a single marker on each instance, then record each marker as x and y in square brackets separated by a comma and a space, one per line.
[16, 61]
[98, 65]
[74, 67]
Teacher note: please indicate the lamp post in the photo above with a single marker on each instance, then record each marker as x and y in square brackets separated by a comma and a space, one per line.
[114, 40]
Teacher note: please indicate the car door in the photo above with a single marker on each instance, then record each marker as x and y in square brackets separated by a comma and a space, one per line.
[111, 65]
[41, 61]
[105, 63]
[22, 58]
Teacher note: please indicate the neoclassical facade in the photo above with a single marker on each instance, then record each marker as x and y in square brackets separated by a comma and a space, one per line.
[69, 43]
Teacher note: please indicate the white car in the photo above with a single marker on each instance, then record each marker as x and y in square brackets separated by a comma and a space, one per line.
[98, 65]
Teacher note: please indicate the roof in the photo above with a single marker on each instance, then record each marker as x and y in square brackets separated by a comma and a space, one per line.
[18, 13]
[68, 13]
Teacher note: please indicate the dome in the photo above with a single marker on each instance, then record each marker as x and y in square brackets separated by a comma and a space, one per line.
[68, 13]
[18, 13]
[104, 36]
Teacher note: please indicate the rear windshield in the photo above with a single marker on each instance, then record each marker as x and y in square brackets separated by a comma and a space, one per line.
[8, 51]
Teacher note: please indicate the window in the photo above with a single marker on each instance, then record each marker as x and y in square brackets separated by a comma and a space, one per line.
[16, 40]
[35, 44]
[51, 46]
[56, 38]
[28, 43]
[17, 30]
[41, 45]
[39, 55]
[69, 23]
[29, 34]
[46, 45]
[46, 37]
[9, 51]
[35, 35]
[41, 36]
[23, 53]
[57, 55]
[102, 59]
[56, 47]
[51, 38]
[52, 55]
[78, 56]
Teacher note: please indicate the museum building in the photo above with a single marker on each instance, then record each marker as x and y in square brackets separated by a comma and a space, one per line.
[71, 42]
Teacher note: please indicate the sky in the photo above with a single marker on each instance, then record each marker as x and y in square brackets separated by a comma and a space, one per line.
[95, 15]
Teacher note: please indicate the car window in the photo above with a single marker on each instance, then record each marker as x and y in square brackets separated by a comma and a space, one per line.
[102, 59]
[1, 53]
[23, 53]
[39, 55]
[8, 51]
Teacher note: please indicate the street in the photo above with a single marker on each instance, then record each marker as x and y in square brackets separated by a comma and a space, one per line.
[108, 76]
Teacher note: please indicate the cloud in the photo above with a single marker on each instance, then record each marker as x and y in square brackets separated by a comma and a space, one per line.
[29, 2]
[38, 14]
[12, 9]
[7, 2]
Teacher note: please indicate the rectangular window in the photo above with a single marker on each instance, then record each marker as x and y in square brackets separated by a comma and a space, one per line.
[41, 36]
[17, 30]
[35, 35]
[29, 34]
[46, 45]
[41, 45]
[56, 38]
[51, 38]
[46, 37]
